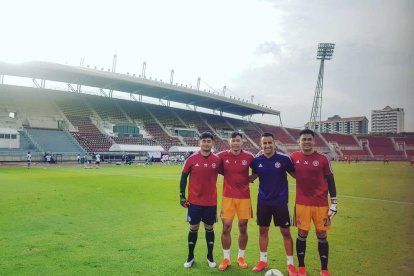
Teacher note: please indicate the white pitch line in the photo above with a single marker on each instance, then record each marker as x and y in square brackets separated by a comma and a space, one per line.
[377, 199]
[369, 198]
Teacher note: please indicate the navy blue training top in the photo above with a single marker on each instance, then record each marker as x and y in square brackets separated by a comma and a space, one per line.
[273, 184]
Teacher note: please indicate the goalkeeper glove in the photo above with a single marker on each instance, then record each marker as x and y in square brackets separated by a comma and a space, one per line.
[183, 201]
[333, 209]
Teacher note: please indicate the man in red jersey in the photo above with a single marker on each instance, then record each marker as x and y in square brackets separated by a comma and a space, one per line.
[314, 178]
[203, 168]
[236, 197]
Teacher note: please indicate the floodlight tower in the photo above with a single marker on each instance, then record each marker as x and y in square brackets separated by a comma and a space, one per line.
[325, 52]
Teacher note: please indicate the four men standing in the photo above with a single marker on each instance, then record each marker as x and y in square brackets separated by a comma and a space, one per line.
[314, 178]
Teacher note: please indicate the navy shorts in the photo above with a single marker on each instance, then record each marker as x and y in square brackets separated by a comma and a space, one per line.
[206, 214]
[280, 215]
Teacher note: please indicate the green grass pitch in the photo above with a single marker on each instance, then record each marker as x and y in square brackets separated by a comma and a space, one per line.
[125, 220]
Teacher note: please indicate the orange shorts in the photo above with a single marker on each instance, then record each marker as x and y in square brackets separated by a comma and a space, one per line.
[318, 214]
[231, 206]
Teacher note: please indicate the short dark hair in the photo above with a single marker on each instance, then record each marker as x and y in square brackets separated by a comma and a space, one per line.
[234, 134]
[307, 131]
[206, 134]
[267, 134]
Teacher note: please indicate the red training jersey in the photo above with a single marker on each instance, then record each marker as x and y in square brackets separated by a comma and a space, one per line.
[236, 174]
[202, 189]
[311, 185]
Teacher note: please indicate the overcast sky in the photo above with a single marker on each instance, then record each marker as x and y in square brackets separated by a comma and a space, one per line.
[254, 47]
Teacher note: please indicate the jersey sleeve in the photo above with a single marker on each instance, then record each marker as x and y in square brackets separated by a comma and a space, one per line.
[289, 165]
[327, 169]
[187, 165]
[253, 166]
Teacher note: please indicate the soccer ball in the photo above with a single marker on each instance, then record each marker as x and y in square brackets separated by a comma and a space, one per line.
[273, 272]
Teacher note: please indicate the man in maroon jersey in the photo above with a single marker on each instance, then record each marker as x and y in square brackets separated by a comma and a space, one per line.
[203, 168]
[236, 197]
[314, 178]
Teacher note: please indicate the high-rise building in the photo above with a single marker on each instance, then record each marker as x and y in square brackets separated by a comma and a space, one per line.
[387, 120]
[336, 124]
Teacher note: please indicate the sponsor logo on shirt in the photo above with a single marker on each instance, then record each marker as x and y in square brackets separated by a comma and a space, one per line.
[306, 162]
[213, 165]
[244, 162]
[277, 165]
[205, 165]
[227, 161]
[297, 162]
[315, 163]
[197, 165]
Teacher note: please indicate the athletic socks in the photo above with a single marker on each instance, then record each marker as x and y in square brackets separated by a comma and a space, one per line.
[192, 239]
[210, 242]
[226, 254]
[241, 253]
[263, 256]
[289, 260]
[301, 249]
[323, 248]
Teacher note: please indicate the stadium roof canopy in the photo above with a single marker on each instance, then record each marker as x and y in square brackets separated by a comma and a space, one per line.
[130, 84]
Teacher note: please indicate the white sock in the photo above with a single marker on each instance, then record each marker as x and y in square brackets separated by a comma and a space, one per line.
[226, 254]
[241, 253]
[263, 256]
[289, 260]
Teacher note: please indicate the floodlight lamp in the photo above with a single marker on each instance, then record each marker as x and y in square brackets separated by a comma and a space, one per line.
[325, 51]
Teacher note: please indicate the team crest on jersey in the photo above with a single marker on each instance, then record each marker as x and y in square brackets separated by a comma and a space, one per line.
[277, 165]
[213, 165]
[244, 162]
[197, 165]
[260, 166]
[315, 163]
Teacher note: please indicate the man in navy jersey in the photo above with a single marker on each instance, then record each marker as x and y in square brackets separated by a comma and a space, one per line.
[272, 167]
[203, 168]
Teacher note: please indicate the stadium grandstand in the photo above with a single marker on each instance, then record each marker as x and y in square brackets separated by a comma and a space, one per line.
[43, 119]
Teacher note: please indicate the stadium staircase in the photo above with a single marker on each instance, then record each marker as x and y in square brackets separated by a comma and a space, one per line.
[382, 147]
[31, 140]
[53, 140]
[219, 143]
[161, 134]
[248, 144]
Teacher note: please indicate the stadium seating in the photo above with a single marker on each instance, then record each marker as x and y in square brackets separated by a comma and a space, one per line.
[106, 109]
[344, 141]
[161, 137]
[279, 134]
[88, 117]
[318, 141]
[408, 141]
[410, 153]
[56, 141]
[383, 147]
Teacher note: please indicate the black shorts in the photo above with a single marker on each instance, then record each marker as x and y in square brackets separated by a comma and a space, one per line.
[280, 214]
[206, 214]
[98, 162]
